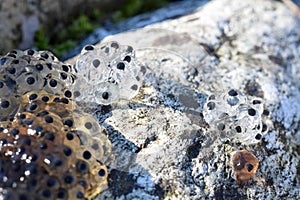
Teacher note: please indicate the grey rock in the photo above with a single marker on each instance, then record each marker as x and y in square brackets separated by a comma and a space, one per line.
[163, 147]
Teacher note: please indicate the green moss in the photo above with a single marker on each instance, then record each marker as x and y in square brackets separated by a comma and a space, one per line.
[41, 41]
[67, 38]
[135, 7]
[97, 14]
[60, 49]
[81, 26]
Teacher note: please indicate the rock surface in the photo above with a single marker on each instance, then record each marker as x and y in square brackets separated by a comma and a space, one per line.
[163, 147]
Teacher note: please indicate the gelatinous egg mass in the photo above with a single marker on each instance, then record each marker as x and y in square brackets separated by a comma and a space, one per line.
[49, 148]
[235, 117]
[110, 72]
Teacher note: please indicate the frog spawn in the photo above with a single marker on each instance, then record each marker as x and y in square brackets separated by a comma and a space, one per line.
[49, 149]
[22, 72]
[235, 117]
[110, 72]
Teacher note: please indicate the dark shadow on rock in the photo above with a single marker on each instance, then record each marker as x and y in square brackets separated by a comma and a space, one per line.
[122, 183]
[120, 180]
[194, 149]
[119, 141]
[228, 193]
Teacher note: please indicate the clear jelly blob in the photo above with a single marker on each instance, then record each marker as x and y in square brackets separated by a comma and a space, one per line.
[235, 117]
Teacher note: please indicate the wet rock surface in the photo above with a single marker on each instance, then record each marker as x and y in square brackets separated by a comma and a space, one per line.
[164, 148]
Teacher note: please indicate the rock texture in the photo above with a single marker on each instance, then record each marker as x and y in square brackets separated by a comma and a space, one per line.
[163, 147]
[21, 19]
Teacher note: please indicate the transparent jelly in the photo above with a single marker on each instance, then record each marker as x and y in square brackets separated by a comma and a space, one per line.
[235, 117]
[110, 71]
[49, 149]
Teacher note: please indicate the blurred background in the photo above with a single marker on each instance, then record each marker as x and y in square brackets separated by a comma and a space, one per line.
[64, 26]
[58, 25]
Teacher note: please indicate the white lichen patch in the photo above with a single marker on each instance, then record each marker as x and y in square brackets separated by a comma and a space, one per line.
[288, 112]
[156, 129]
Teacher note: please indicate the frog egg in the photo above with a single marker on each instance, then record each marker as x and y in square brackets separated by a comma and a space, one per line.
[87, 124]
[117, 52]
[67, 78]
[4, 89]
[245, 129]
[258, 105]
[57, 104]
[45, 136]
[91, 134]
[235, 117]
[39, 67]
[129, 89]
[222, 105]
[63, 72]
[102, 93]
[79, 91]
[8, 106]
[50, 154]
[110, 49]
[15, 67]
[234, 98]
[54, 86]
[121, 70]
[110, 71]
[40, 122]
[106, 93]
[3, 61]
[92, 61]
[44, 56]
[29, 81]
[55, 70]
[15, 53]
[30, 52]
[38, 159]
[68, 68]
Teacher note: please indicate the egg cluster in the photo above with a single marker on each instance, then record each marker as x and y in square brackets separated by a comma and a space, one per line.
[110, 72]
[49, 148]
[235, 117]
